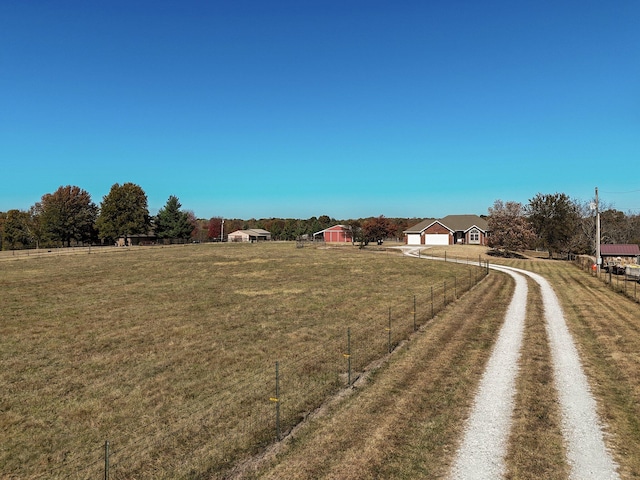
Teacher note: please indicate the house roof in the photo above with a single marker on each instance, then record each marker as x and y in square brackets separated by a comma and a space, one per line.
[464, 222]
[620, 250]
[455, 223]
[420, 227]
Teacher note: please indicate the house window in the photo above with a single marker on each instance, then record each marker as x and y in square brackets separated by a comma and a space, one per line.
[474, 236]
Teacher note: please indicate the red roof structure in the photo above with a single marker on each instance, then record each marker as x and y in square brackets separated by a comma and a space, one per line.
[620, 250]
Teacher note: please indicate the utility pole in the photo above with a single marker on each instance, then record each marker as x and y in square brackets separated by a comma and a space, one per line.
[598, 258]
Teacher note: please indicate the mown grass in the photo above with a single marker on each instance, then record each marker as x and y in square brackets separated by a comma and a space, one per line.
[606, 328]
[536, 445]
[426, 390]
[169, 353]
[406, 421]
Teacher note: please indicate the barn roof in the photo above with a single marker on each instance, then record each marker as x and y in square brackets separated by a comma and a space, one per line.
[620, 250]
[334, 228]
[252, 232]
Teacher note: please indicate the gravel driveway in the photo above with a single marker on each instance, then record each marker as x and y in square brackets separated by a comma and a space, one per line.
[482, 451]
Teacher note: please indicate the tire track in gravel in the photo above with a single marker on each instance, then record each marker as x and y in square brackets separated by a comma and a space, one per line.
[483, 449]
[587, 455]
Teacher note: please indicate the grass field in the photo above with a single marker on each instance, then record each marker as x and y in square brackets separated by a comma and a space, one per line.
[425, 390]
[170, 353]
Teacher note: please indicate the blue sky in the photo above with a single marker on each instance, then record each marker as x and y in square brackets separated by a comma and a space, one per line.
[346, 108]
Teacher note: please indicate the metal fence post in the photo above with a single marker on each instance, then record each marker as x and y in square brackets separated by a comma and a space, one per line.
[431, 301]
[389, 330]
[106, 460]
[444, 294]
[276, 399]
[414, 314]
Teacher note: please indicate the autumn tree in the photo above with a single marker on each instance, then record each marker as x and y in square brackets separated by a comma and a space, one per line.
[510, 230]
[123, 212]
[171, 222]
[214, 229]
[555, 219]
[377, 229]
[68, 214]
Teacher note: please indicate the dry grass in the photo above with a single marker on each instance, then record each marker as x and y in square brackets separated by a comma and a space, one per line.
[169, 353]
[406, 421]
[606, 328]
[536, 446]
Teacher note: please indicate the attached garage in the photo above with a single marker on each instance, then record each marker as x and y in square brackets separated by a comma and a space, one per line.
[413, 239]
[436, 239]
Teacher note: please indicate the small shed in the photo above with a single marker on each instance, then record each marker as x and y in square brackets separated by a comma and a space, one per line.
[620, 253]
[250, 235]
[336, 234]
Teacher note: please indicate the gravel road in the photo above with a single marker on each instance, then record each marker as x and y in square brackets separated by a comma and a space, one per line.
[482, 451]
[481, 454]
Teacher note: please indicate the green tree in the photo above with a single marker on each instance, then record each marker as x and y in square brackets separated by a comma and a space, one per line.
[357, 232]
[15, 233]
[510, 230]
[68, 214]
[171, 222]
[123, 212]
[555, 219]
[36, 228]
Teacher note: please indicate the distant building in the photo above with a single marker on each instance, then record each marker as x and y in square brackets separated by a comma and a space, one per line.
[251, 235]
[335, 234]
[620, 253]
[450, 230]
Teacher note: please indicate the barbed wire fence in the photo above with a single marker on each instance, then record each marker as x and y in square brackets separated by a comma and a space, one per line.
[250, 413]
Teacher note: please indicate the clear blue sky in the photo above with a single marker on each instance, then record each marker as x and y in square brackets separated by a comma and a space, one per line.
[346, 108]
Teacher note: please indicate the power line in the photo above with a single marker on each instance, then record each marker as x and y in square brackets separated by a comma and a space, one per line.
[622, 193]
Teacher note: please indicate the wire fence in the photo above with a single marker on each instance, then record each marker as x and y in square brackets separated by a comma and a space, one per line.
[251, 412]
[619, 281]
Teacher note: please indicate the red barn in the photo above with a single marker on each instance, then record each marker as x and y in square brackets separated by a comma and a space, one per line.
[335, 234]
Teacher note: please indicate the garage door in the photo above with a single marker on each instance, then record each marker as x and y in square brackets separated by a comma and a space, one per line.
[436, 239]
[413, 239]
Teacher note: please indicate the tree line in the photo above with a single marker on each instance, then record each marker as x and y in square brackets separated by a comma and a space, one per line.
[68, 216]
[557, 224]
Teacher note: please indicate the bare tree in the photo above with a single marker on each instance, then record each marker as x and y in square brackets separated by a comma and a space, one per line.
[510, 230]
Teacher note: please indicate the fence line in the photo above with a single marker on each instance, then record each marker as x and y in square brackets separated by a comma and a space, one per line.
[620, 283]
[297, 386]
